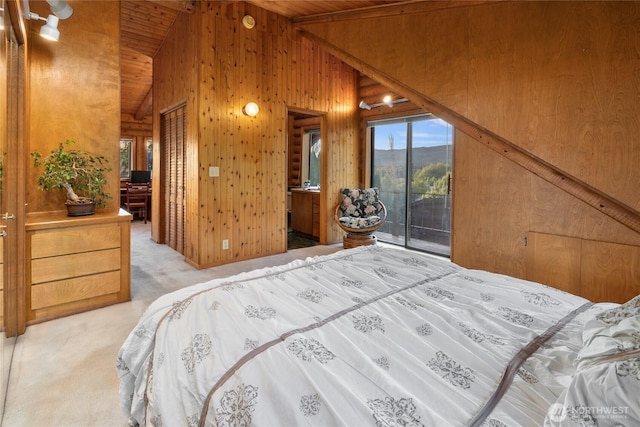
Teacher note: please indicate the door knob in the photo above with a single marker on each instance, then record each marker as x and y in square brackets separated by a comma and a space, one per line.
[7, 217]
[3, 234]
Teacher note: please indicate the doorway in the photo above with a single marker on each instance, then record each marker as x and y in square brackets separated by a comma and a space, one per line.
[304, 159]
[412, 167]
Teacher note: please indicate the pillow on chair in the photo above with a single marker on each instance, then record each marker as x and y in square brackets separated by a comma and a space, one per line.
[360, 208]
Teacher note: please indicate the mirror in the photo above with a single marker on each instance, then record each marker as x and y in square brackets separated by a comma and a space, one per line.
[8, 124]
[4, 371]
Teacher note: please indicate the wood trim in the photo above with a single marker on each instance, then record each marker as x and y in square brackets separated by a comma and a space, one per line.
[187, 6]
[596, 199]
[386, 10]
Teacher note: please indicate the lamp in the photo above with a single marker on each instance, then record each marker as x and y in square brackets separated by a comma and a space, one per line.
[251, 109]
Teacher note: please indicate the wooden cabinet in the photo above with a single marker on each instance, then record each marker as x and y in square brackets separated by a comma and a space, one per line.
[76, 264]
[305, 212]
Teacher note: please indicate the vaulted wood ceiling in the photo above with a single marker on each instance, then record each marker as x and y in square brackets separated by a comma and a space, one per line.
[145, 23]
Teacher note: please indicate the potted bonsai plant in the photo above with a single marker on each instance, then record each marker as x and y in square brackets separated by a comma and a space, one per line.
[74, 171]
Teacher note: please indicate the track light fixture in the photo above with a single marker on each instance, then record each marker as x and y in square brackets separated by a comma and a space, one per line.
[386, 101]
[60, 10]
[49, 30]
[363, 105]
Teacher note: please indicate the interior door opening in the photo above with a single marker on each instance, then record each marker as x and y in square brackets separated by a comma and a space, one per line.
[304, 158]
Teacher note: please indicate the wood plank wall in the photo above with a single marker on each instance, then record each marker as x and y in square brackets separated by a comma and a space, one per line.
[75, 94]
[210, 60]
[555, 78]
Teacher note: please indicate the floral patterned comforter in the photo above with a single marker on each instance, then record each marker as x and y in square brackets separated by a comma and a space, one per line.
[371, 336]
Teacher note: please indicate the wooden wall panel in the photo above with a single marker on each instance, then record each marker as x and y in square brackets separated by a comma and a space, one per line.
[75, 93]
[555, 261]
[176, 72]
[596, 270]
[558, 79]
[610, 272]
[272, 66]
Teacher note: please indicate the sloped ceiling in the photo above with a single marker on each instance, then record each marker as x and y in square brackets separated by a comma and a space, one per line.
[145, 23]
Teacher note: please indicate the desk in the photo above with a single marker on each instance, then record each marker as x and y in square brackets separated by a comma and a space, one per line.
[123, 191]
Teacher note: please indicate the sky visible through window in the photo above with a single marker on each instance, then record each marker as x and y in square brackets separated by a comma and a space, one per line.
[426, 133]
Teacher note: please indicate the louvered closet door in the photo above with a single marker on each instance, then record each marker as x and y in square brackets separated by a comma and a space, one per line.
[173, 137]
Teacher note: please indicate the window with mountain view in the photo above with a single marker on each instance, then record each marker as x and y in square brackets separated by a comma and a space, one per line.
[411, 166]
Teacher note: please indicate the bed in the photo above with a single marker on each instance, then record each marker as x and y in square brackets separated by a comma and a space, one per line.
[380, 336]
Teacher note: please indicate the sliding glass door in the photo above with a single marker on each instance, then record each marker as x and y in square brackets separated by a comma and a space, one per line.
[412, 168]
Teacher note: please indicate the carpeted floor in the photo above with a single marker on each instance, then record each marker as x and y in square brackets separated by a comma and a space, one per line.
[63, 371]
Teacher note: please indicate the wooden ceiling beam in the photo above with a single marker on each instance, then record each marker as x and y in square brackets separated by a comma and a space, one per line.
[146, 106]
[386, 10]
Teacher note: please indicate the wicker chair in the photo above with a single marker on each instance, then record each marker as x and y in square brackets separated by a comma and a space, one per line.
[359, 215]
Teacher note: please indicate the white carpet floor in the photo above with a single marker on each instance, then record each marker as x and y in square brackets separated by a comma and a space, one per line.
[63, 371]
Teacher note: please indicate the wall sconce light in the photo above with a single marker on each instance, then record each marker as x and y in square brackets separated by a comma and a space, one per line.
[1, 18]
[251, 109]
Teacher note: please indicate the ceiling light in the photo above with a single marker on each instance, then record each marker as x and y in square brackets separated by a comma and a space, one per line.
[251, 109]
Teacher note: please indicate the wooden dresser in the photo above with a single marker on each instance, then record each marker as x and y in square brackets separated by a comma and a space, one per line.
[76, 264]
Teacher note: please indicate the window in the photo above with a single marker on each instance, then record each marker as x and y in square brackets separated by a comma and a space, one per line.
[125, 157]
[411, 166]
[135, 154]
[149, 151]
